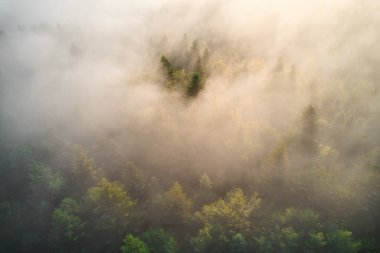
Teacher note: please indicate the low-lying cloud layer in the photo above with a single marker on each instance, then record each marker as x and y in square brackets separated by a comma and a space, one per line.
[81, 71]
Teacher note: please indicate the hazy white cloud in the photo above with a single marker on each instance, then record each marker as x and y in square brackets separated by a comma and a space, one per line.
[78, 65]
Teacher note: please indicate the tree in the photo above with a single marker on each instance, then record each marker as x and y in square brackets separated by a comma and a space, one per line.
[159, 241]
[340, 241]
[205, 182]
[206, 56]
[109, 212]
[132, 244]
[168, 67]
[68, 226]
[194, 86]
[278, 157]
[45, 182]
[134, 180]
[223, 220]
[172, 209]
[238, 244]
[83, 173]
[110, 204]
[232, 213]
[294, 230]
[205, 193]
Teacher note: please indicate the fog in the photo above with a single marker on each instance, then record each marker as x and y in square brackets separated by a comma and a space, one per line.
[78, 71]
[221, 124]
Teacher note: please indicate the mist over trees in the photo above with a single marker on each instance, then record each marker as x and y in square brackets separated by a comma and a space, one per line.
[199, 127]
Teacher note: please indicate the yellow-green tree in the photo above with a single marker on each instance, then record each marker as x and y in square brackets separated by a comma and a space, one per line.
[225, 222]
[173, 209]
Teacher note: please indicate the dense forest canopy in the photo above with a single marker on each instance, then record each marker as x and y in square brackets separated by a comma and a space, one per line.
[189, 126]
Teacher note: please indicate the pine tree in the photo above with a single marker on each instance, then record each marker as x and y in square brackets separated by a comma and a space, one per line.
[194, 86]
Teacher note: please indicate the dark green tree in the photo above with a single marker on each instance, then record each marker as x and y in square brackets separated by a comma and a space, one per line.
[159, 241]
[68, 228]
[294, 230]
[341, 241]
[169, 69]
[132, 244]
[45, 183]
[194, 86]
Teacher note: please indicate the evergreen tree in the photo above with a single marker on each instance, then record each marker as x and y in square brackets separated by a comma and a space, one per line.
[132, 244]
[194, 86]
[159, 241]
[172, 209]
[68, 227]
[83, 174]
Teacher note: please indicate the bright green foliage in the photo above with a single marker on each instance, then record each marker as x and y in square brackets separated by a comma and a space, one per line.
[110, 203]
[132, 244]
[222, 220]
[67, 225]
[341, 241]
[232, 214]
[159, 241]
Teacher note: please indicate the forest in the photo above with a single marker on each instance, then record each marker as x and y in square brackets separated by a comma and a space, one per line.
[190, 127]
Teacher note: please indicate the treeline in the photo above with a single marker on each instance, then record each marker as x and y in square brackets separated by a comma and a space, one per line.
[82, 210]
